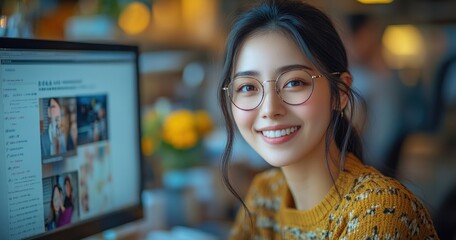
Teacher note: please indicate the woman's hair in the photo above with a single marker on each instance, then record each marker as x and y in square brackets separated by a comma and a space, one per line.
[68, 180]
[68, 201]
[55, 99]
[319, 41]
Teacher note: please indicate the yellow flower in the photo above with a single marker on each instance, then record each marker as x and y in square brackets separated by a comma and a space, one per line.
[180, 130]
[203, 122]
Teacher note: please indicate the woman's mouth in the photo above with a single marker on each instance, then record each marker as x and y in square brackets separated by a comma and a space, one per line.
[279, 133]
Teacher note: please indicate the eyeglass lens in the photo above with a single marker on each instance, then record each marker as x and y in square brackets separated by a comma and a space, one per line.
[294, 87]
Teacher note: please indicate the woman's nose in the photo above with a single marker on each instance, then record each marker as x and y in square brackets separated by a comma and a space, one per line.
[272, 106]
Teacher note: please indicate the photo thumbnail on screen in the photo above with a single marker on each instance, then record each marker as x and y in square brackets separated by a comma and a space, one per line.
[92, 119]
[58, 128]
[96, 189]
[60, 201]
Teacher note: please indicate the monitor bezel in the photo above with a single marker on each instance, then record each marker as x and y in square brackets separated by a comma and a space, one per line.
[106, 221]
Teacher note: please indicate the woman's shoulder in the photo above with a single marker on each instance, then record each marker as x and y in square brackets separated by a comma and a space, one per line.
[372, 182]
[367, 180]
[368, 187]
[375, 201]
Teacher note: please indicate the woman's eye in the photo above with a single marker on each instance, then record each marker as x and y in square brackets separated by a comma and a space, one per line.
[295, 83]
[246, 88]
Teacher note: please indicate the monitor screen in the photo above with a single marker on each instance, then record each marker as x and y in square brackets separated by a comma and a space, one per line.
[70, 138]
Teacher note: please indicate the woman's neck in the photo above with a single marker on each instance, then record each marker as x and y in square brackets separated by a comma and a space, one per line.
[310, 180]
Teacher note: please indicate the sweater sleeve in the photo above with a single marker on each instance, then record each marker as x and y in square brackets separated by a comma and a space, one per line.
[242, 228]
[391, 213]
[262, 203]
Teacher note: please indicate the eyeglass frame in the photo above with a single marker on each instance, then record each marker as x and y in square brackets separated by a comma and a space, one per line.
[313, 77]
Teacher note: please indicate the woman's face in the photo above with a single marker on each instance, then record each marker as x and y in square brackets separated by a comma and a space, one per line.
[262, 56]
[57, 200]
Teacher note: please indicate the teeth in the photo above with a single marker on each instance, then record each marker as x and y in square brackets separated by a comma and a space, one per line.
[279, 133]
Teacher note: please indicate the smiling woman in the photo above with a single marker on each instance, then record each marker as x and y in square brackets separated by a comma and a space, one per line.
[302, 106]
[286, 88]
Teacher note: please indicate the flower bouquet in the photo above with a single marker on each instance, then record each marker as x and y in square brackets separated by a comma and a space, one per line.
[176, 137]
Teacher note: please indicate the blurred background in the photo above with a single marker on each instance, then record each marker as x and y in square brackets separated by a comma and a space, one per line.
[402, 55]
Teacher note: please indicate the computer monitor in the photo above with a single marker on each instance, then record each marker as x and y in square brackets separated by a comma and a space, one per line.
[70, 138]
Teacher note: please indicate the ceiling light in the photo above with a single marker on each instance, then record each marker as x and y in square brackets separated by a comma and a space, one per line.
[375, 1]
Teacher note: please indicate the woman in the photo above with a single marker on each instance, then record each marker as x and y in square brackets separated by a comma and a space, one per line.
[287, 88]
[65, 126]
[59, 214]
[69, 198]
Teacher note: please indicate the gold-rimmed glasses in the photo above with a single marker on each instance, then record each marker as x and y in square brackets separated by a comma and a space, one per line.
[294, 87]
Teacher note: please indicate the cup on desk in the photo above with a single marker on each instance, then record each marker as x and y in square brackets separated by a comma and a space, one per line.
[154, 209]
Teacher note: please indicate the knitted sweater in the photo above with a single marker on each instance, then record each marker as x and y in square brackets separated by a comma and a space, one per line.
[365, 205]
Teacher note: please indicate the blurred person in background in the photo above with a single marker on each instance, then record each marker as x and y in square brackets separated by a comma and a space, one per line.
[384, 125]
[286, 87]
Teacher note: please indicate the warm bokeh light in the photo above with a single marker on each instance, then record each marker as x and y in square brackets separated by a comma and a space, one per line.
[166, 16]
[3, 21]
[402, 39]
[375, 1]
[134, 18]
[199, 17]
[404, 46]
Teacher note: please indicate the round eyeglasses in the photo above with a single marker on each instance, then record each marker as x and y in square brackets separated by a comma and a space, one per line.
[294, 87]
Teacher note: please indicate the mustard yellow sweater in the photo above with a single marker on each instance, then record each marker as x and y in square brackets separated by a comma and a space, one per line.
[370, 206]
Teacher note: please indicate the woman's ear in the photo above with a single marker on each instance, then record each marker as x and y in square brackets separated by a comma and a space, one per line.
[347, 79]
